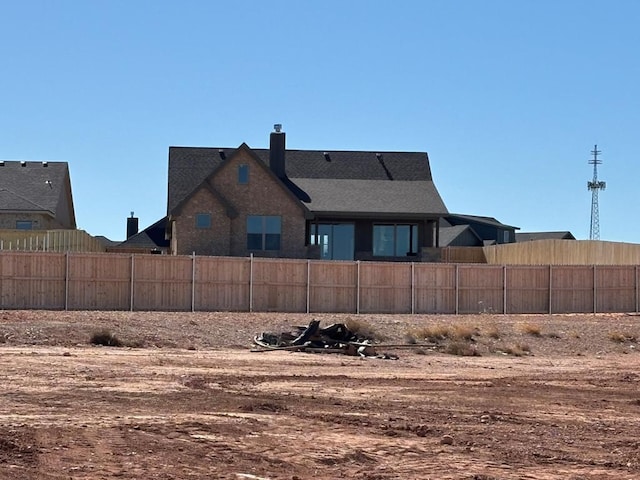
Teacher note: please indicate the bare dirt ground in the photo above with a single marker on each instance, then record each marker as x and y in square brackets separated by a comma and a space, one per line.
[545, 397]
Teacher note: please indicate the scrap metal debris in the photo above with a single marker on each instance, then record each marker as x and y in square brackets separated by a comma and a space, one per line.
[336, 338]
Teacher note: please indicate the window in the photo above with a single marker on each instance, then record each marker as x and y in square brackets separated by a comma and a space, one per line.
[263, 232]
[243, 174]
[24, 225]
[203, 220]
[336, 240]
[395, 240]
[505, 236]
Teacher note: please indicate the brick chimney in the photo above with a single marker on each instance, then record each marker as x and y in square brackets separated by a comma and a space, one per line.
[277, 151]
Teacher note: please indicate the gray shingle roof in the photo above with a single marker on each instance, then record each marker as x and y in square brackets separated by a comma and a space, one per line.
[455, 219]
[341, 181]
[151, 237]
[449, 234]
[33, 187]
[371, 196]
[530, 236]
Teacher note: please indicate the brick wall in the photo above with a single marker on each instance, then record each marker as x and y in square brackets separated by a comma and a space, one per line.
[262, 195]
[40, 222]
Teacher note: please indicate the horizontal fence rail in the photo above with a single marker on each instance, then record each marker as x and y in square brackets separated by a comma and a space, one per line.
[140, 282]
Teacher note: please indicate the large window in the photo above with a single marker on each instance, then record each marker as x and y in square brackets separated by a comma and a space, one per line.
[395, 240]
[263, 232]
[336, 240]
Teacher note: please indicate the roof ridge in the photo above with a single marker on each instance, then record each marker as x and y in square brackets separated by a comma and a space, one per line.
[26, 199]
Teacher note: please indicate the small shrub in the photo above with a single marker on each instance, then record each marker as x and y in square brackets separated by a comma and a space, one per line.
[554, 335]
[620, 337]
[434, 333]
[532, 329]
[409, 339]
[493, 332]
[105, 338]
[518, 350]
[362, 329]
[463, 349]
[462, 332]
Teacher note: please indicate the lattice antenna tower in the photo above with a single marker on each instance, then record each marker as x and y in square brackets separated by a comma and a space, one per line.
[595, 186]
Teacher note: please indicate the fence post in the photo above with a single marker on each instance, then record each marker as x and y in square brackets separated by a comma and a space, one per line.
[413, 288]
[357, 286]
[308, 284]
[131, 289]
[66, 282]
[504, 289]
[550, 288]
[595, 290]
[251, 282]
[636, 289]
[457, 291]
[193, 282]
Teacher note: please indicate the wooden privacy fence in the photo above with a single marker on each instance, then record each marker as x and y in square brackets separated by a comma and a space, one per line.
[103, 281]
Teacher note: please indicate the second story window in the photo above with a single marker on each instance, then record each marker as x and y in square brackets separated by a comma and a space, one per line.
[203, 220]
[243, 174]
[24, 225]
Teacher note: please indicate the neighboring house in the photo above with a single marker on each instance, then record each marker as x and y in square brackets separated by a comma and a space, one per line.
[150, 240]
[459, 236]
[479, 231]
[35, 196]
[340, 205]
[530, 236]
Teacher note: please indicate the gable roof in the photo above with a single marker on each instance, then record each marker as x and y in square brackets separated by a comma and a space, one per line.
[286, 184]
[456, 219]
[326, 182]
[37, 187]
[530, 236]
[448, 235]
[152, 237]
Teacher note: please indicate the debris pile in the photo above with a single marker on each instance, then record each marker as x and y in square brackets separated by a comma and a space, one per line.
[335, 338]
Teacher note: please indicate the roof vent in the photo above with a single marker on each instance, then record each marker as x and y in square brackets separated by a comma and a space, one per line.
[222, 154]
[48, 182]
[327, 157]
[277, 127]
[23, 163]
[45, 164]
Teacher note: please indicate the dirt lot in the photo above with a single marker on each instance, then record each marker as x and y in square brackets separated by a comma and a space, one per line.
[544, 397]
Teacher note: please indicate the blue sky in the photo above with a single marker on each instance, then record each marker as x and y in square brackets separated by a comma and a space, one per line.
[507, 97]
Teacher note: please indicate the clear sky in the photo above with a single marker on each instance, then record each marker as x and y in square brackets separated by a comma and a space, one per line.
[508, 97]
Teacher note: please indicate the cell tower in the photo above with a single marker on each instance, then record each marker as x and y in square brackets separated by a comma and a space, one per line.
[595, 186]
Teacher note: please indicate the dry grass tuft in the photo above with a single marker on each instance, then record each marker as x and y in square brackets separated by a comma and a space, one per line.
[438, 333]
[434, 333]
[462, 348]
[362, 329]
[493, 332]
[517, 350]
[620, 337]
[463, 332]
[532, 329]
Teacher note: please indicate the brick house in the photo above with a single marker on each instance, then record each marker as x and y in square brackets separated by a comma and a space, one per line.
[341, 205]
[35, 196]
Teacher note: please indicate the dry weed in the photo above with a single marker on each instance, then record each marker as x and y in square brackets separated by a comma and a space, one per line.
[532, 329]
[362, 329]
